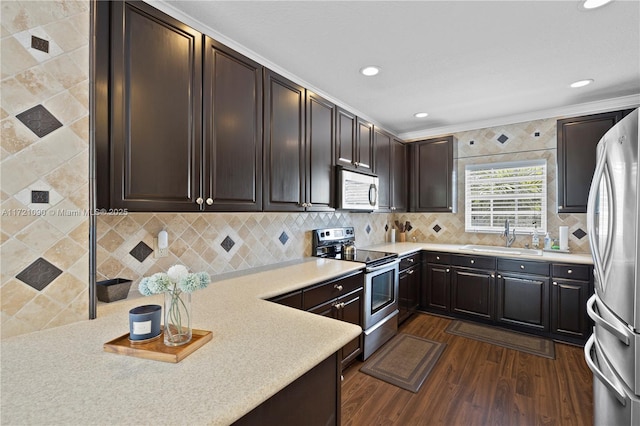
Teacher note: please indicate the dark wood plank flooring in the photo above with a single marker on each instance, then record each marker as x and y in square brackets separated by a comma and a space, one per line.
[475, 383]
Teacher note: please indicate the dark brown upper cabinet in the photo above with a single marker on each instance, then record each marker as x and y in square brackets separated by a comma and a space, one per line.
[354, 141]
[432, 175]
[391, 167]
[299, 129]
[284, 133]
[577, 140]
[232, 111]
[154, 143]
[319, 144]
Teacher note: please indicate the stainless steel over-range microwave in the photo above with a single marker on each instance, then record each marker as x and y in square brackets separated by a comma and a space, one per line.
[357, 190]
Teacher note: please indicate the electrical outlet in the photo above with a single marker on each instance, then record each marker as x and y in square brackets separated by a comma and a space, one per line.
[157, 251]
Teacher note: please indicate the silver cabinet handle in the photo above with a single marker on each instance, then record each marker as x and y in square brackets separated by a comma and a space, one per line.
[555, 283]
[447, 271]
[570, 271]
[199, 201]
[499, 276]
[493, 276]
[209, 201]
[339, 305]
[438, 257]
[410, 260]
[473, 261]
[309, 205]
[411, 271]
[338, 287]
[521, 266]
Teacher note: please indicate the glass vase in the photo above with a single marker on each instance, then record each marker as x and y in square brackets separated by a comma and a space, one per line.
[177, 318]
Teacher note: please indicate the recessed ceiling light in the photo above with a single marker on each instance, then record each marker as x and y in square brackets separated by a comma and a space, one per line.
[581, 83]
[420, 114]
[594, 4]
[370, 71]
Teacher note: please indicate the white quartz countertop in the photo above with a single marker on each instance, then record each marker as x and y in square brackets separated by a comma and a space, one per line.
[547, 256]
[63, 376]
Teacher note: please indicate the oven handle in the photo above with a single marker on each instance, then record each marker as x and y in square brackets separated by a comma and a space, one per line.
[385, 266]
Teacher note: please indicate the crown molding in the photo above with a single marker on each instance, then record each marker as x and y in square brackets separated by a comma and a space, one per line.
[631, 101]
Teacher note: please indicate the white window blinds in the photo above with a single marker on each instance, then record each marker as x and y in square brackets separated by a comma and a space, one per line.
[516, 191]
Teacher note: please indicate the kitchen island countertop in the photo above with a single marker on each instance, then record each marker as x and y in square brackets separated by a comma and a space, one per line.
[62, 375]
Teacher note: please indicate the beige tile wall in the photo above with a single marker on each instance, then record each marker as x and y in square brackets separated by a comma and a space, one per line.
[57, 162]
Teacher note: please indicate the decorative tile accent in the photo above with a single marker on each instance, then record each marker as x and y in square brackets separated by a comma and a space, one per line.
[40, 197]
[40, 44]
[472, 142]
[579, 233]
[39, 120]
[39, 274]
[141, 251]
[503, 138]
[368, 229]
[536, 134]
[386, 227]
[227, 244]
[437, 228]
[283, 239]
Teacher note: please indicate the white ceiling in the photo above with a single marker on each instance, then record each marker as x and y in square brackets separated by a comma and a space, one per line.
[466, 63]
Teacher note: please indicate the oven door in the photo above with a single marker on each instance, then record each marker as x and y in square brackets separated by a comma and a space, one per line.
[380, 292]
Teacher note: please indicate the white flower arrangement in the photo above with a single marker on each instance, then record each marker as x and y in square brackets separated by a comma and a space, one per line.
[176, 280]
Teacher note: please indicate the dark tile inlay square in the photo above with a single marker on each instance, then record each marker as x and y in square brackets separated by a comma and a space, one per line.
[40, 44]
[437, 228]
[368, 229]
[579, 233]
[472, 142]
[40, 197]
[39, 274]
[283, 238]
[536, 134]
[227, 244]
[141, 251]
[39, 120]
[503, 138]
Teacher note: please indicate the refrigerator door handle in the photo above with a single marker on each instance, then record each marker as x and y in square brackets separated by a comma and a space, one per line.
[619, 332]
[619, 394]
[591, 206]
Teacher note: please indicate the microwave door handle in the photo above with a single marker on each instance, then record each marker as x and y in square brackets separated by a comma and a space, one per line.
[373, 194]
[619, 394]
[591, 205]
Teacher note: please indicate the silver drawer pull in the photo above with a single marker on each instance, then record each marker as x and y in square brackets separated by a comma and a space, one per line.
[411, 271]
[410, 260]
[555, 283]
[447, 271]
[570, 271]
[473, 261]
[337, 287]
[521, 266]
[437, 257]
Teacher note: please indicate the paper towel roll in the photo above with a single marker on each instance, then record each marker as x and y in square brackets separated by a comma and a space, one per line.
[564, 238]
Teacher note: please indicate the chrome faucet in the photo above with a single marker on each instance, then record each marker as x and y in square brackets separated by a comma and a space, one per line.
[508, 239]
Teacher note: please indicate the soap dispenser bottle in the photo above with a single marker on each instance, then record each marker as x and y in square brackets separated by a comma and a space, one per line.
[535, 240]
[547, 242]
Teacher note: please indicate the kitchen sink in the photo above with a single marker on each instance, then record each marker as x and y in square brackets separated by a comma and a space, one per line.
[501, 250]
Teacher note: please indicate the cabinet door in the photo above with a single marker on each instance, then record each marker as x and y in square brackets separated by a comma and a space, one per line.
[232, 111]
[432, 176]
[382, 143]
[472, 292]
[523, 300]
[345, 138]
[364, 145]
[320, 177]
[156, 110]
[577, 141]
[436, 294]
[398, 175]
[284, 170]
[568, 312]
[350, 310]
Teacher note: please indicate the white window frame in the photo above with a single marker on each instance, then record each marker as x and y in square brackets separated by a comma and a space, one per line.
[520, 216]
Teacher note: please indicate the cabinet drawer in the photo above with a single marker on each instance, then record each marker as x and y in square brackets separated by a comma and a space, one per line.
[523, 266]
[479, 262]
[330, 290]
[440, 258]
[409, 261]
[572, 272]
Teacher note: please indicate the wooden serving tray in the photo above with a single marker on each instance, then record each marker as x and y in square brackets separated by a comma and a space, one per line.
[156, 349]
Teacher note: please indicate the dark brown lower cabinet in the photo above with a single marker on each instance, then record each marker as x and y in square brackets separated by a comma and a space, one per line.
[436, 294]
[313, 399]
[472, 293]
[568, 309]
[523, 300]
[408, 288]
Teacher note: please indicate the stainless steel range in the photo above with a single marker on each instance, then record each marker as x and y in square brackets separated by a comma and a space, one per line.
[380, 282]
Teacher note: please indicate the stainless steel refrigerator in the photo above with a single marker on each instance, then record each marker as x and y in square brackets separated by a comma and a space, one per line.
[613, 350]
